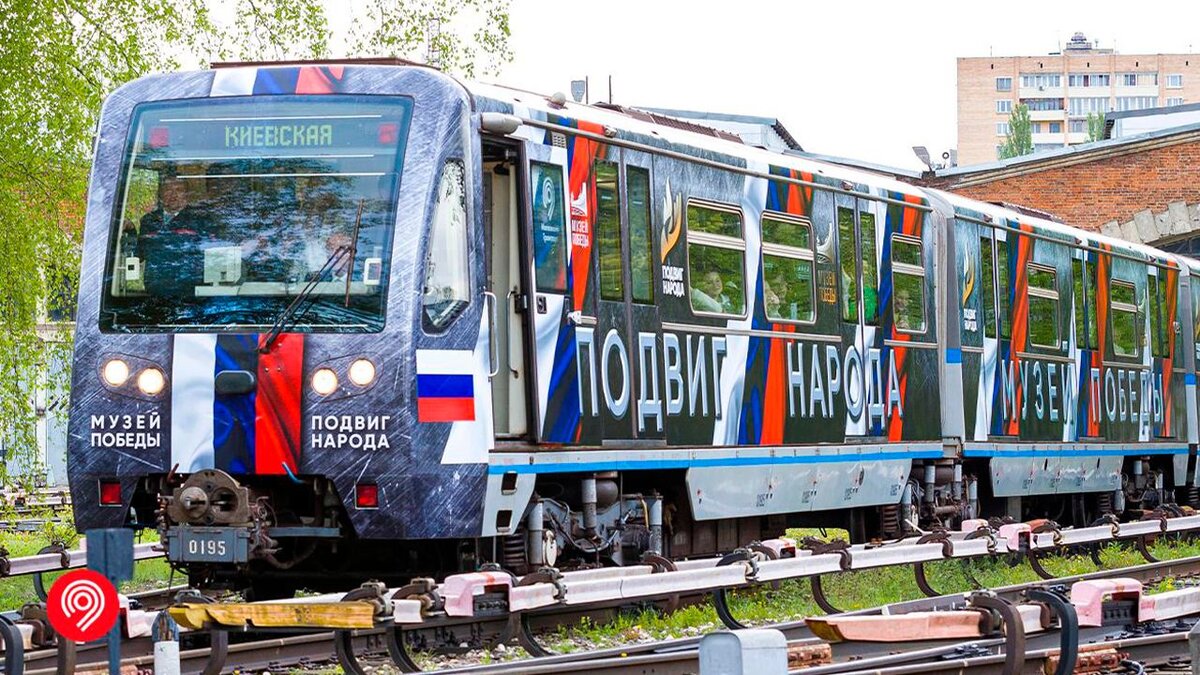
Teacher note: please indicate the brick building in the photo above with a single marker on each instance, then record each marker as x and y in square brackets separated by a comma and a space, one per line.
[1142, 188]
[1061, 89]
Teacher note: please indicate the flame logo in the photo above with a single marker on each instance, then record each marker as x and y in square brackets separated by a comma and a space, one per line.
[672, 215]
[969, 279]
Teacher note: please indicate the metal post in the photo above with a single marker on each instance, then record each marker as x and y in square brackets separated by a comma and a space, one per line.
[110, 552]
[761, 651]
[165, 634]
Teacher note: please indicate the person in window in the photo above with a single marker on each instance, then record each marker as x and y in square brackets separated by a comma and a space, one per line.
[172, 200]
[709, 295]
[772, 301]
[170, 240]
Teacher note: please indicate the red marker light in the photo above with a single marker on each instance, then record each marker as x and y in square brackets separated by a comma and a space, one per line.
[110, 493]
[389, 132]
[160, 137]
[366, 496]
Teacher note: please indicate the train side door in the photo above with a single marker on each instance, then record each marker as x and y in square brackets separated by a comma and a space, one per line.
[858, 304]
[612, 356]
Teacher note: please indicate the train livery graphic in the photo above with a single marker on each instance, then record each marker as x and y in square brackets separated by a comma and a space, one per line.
[340, 321]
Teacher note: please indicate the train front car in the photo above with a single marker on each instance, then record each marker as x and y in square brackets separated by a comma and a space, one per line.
[272, 257]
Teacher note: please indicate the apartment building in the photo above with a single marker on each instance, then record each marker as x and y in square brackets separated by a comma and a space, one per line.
[1061, 89]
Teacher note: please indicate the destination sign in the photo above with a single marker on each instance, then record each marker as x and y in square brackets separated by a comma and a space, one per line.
[278, 135]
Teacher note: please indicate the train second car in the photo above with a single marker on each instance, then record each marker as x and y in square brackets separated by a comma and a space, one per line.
[350, 321]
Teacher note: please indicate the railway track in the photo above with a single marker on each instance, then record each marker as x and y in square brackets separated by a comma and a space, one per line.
[577, 593]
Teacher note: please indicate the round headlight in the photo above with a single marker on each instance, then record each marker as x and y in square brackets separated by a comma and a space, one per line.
[151, 381]
[362, 372]
[324, 381]
[115, 372]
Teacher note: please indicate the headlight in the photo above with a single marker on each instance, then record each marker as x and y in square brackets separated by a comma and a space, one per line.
[151, 381]
[362, 372]
[115, 372]
[324, 381]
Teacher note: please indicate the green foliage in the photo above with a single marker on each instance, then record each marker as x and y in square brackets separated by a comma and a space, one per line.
[60, 58]
[1019, 140]
[454, 35]
[1095, 127]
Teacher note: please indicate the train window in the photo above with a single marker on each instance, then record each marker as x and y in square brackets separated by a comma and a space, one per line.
[870, 275]
[549, 225]
[641, 246]
[1124, 318]
[1004, 290]
[847, 258]
[908, 284]
[1042, 294]
[988, 290]
[788, 290]
[608, 232]
[716, 259]
[1093, 334]
[447, 269]
[1077, 284]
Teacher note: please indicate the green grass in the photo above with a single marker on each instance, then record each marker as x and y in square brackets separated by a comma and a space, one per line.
[15, 592]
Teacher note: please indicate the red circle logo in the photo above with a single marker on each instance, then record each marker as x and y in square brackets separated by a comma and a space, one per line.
[82, 606]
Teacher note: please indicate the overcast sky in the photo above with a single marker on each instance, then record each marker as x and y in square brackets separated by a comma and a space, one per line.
[863, 79]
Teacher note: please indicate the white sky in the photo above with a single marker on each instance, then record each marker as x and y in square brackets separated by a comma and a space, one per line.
[865, 79]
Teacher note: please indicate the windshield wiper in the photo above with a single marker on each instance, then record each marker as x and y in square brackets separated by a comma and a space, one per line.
[283, 320]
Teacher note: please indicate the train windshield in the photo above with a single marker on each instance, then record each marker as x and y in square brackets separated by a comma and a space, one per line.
[231, 208]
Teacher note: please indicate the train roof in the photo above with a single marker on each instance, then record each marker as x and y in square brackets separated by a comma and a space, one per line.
[713, 140]
[683, 134]
[671, 130]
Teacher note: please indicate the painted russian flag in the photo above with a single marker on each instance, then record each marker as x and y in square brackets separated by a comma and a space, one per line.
[252, 432]
[445, 385]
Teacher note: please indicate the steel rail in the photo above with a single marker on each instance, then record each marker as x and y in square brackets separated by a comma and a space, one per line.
[64, 560]
[670, 656]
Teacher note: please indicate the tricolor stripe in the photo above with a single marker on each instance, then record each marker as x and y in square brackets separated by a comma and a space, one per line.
[445, 386]
[254, 432]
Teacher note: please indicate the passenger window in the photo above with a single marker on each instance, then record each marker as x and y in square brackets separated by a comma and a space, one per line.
[549, 225]
[1004, 290]
[849, 268]
[1124, 318]
[908, 284]
[716, 260]
[1077, 283]
[870, 275]
[608, 232]
[1043, 306]
[447, 270]
[1093, 335]
[789, 293]
[641, 246]
[988, 291]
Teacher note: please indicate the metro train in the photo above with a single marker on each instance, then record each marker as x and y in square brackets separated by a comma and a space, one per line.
[349, 321]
